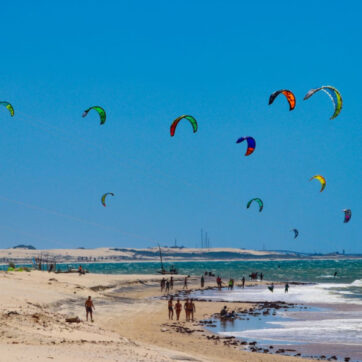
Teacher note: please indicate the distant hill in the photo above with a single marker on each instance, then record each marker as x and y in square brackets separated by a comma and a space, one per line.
[21, 246]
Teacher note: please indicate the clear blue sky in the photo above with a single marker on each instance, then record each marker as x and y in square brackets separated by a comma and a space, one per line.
[147, 62]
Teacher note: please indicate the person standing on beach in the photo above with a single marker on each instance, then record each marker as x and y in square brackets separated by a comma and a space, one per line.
[286, 288]
[178, 308]
[89, 306]
[162, 284]
[185, 283]
[170, 308]
[167, 288]
[261, 277]
[202, 281]
[186, 307]
[218, 282]
[171, 283]
[243, 282]
[192, 309]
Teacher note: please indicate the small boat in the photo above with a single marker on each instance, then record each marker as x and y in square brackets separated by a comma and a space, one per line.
[163, 271]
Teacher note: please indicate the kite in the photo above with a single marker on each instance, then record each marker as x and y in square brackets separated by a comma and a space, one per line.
[296, 233]
[104, 198]
[251, 144]
[174, 124]
[333, 94]
[259, 201]
[321, 179]
[288, 94]
[347, 215]
[101, 112]
[8, 106]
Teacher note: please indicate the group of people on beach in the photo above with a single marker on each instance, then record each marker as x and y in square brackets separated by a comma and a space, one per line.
[230, 283]
[189, 307]
[166, 285]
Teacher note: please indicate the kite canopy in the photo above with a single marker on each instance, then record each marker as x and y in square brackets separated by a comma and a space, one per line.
[103, 200]
[288, 94]
[101, 112]
[296, 233]
[333, 94]
[251, 144]
[174, 124]
[8, 106]
[321, 179]
[259, 201]
[347, 215]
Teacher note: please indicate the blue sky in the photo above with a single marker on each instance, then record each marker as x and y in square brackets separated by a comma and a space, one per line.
[147, 63]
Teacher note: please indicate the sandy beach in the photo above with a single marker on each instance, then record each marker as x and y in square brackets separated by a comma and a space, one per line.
[131, 322]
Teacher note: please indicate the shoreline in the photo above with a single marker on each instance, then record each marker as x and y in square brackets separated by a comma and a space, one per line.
[268, 317]
[131, 321]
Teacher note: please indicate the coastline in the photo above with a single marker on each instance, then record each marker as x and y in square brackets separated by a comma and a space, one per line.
[170, 255]
[131, 321]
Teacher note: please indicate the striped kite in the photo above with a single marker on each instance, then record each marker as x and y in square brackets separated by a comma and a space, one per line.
[333, 94]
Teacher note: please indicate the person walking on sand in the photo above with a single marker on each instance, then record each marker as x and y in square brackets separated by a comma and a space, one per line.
[178, 308]
[186, 307]
[202, 281]
[286, 288]
[243, 282]
[171, 283]
[261, 277]
[192, 309]
[185, 283]
[170, 308]
[89, 307]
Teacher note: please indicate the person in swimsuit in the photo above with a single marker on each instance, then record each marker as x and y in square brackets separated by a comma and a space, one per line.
[187, 310]
[243, 282]
[185, 283]
[202, 281]
[167, 288]
[170, 308]
[89, 306]
[192, 309]
[163, 281]
[178, 308]
[286, 288]
[171, 283]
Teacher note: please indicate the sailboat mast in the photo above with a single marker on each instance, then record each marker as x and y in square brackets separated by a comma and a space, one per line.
[160, 257]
